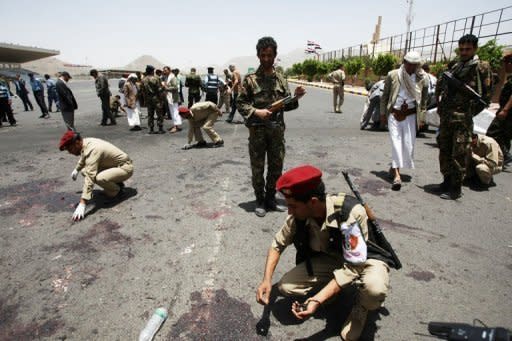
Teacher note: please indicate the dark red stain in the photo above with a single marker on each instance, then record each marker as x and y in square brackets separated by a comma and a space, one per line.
[12, 330]
[425, 276]
[214, 315]
[374, 187]
[410, 230]
[211, 213]
[30, 198]
[102, 234]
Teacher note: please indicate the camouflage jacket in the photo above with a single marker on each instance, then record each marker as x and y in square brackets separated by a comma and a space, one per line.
[152, 89]
[259, 91]
[474, 73]
[193, 83]
[506, 92]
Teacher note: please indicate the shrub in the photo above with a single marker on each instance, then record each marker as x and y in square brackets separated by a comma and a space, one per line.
[491, 53]
[310, 68]
[384, 63]
[353, 66]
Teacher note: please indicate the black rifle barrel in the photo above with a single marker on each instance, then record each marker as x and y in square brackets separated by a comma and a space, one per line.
[373, 219]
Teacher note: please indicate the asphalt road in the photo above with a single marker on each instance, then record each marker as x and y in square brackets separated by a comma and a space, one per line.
[185, 238]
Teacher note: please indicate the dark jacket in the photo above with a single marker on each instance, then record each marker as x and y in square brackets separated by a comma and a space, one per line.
[66, 99]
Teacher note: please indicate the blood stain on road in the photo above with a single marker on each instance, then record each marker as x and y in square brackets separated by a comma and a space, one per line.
[214, 315]
[425, 276]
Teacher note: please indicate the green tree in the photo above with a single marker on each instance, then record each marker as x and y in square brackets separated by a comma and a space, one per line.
[280, 69]
[384, 63]
[297, 69]
[491, 53]
[437, 68]
[310, 68]
[353, 66]
[323, 69]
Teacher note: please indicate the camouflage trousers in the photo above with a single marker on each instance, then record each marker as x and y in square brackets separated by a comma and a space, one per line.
[269, 142]
[454, 144]
[158, 108]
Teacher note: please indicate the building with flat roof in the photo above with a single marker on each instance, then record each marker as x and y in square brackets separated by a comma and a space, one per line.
[13, 55]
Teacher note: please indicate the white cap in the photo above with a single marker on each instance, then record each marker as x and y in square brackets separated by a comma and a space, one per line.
[132, 75]
[413, 57]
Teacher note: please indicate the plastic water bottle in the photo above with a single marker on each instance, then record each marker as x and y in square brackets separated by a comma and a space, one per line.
[154, 323]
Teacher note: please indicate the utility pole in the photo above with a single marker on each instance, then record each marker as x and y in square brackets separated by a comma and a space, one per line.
[408, 20]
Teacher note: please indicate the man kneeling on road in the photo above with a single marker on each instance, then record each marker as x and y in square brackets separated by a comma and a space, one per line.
[201, 115]
[325, 263]
[485, 159]
[101, 163]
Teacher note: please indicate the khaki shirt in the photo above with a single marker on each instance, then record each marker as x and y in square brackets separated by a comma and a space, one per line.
[199, 113]
[488, 151]
[96, 156]
[337, 77]
[319, 235]
[237, 82]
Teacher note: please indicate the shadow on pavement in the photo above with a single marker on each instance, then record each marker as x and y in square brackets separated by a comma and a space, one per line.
[100, 201]
[384, 175]
[248, 206]
[334, 314]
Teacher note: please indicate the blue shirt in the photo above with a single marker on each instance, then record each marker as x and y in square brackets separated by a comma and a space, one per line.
[4, 90]
[36, 84]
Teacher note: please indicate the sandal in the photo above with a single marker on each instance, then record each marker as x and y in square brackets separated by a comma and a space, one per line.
[397, 184]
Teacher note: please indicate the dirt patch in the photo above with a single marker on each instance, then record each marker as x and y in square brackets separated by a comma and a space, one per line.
[425, 276]
[29, 199]
[214, 315]
[102, 234]
[410, 230]
[12, 330]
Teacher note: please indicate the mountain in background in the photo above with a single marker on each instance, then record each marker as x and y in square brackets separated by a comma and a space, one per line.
[52, 65]
[141, 62]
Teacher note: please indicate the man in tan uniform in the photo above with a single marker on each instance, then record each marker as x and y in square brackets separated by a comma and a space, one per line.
[201, 115]
[101, 163]
[485, 160]
[338, 78]
[322, 272]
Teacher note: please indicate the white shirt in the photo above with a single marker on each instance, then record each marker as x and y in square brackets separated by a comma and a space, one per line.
[403, 96]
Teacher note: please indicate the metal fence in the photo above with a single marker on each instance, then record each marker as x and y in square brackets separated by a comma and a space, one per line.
[438, 42]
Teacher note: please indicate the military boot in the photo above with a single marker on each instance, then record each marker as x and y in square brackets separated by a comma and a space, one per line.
[454, 193]
[272, 205]
[260, 210]
[151, 130]
[355, 322]
[161, 130]
[444, 186]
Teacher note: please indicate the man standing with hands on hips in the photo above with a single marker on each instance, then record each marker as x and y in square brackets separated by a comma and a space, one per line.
[266, 128]
[100, 163]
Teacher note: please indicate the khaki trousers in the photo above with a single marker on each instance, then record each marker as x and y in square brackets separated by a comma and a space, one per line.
[338, 91]
[109, 178]
[483, 171]
[207, 125]
[370, 278]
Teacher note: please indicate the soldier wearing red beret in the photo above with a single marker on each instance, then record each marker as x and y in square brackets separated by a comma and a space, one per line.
[327, 261]
[101, 163]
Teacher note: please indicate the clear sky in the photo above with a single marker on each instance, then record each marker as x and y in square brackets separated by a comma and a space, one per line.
[113, 33]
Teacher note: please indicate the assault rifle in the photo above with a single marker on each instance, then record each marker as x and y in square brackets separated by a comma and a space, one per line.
[377, 242]
[275, 107]
[464, 331]
[455, 84]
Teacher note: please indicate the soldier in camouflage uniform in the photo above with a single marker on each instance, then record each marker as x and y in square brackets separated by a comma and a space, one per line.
[456, 110]
[266, 129]
[501, 127]
[154, 98]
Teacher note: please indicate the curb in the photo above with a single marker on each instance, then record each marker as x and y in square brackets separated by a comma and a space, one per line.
[329, 87]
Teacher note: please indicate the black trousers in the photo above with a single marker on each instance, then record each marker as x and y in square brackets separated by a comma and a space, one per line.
[6, 111]
[26, 101]
[39, 95]
[105, 110]
[193, 98]
[212, 97]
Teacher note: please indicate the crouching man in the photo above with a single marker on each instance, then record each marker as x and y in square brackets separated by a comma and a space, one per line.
[327, 261]
[101, 163]
[201, 115]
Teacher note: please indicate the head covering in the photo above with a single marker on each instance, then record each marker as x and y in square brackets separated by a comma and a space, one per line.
[183, 110]
[210, 68]
[413, 57]
[65, 73]
[68, 137]
[150, 68]
[132, 75]
[299, 180]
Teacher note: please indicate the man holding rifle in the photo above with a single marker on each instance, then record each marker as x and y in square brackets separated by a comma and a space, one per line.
[333, 237]
[465, 92]
[265, 121]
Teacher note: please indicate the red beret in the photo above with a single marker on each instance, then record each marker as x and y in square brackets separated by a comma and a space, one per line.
[183, 110]
[299, 180]
[68, 137]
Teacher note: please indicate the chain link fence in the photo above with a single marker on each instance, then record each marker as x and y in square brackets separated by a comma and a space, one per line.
[437, 43]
